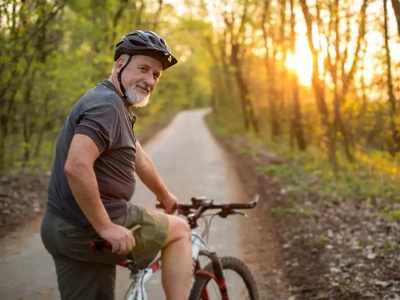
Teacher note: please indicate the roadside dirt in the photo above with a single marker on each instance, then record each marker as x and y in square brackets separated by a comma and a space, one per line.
[261, 236]
[328, 248]
[21, 199]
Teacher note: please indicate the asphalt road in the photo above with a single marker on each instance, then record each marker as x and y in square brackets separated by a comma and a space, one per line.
[191, 163]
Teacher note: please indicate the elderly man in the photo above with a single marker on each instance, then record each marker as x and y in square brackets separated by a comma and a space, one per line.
[93, 180]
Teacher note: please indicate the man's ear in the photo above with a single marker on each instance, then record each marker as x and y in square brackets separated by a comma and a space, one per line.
[118, 63]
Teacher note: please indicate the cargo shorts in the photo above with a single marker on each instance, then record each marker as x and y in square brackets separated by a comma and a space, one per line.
[86, 274]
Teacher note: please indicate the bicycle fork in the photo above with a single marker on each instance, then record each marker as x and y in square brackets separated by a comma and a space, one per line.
[217, 275]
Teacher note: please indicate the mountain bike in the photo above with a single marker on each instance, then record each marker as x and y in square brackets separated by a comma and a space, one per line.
[222, 278]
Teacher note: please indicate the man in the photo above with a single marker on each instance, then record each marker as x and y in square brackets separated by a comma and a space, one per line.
[93, 180]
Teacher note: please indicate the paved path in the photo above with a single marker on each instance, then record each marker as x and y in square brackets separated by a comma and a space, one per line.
[191, 163]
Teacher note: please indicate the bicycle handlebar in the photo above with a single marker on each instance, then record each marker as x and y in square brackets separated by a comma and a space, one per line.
[199, 205]
[193, 212]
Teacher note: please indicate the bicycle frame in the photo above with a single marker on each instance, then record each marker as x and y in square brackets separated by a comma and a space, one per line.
[199, 248]
[139, 279]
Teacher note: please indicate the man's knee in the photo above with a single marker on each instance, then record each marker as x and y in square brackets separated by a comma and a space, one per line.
[178, 229]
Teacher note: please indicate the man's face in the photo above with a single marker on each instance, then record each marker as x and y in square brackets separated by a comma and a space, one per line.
[140, 78]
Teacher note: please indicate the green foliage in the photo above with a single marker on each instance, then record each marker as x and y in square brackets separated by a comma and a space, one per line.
[56, 51]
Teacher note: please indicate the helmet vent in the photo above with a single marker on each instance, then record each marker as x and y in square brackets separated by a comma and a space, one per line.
[137, 43]
[153, 40]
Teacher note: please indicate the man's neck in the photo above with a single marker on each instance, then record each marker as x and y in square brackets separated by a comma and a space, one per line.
[115, 83]
[112, 78]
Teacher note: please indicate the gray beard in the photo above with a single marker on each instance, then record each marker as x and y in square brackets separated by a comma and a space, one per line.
[135, 100]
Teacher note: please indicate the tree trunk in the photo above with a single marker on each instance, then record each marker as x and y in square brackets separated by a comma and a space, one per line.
[250, 120]
[297, 118]
[396, 8]
[29, 122]
[283, 75]
[338, 124]
[270, 68]
[319, 91]
[394, 145]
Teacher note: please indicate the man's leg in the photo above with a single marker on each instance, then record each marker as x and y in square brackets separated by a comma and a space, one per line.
[81, 273]
[79, 280]
[177, 260]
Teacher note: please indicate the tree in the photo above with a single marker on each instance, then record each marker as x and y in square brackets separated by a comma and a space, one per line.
[341, 78]
[271, 70]
[27, 39]
[394, 144]
[319, 89]
[296, 124]
[396, 8]
[235, 28]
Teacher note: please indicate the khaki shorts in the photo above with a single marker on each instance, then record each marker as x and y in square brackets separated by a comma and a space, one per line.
[150, 235]
[86, 274]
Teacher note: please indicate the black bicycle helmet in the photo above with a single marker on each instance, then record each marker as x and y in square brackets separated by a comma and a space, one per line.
[141, 42]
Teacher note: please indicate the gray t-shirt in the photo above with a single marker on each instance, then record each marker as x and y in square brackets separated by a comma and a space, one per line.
[101, 115]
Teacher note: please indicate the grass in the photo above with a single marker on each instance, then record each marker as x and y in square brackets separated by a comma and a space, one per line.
[394, 215]
[310, 172]
[372, 175]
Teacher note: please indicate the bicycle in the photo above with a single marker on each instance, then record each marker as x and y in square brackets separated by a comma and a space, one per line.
[224, 278]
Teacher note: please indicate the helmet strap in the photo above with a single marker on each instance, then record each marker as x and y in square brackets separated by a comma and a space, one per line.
[121, 86]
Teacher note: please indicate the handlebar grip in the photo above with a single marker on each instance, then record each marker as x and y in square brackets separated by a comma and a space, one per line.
[253, 203]
[249, 205]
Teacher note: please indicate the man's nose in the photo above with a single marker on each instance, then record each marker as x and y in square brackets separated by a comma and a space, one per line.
[150, 80]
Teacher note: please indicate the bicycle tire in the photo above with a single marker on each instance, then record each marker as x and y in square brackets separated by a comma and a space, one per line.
[229, 264]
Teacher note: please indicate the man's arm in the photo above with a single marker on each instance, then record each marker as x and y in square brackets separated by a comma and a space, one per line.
[149, 176]
[83, 183]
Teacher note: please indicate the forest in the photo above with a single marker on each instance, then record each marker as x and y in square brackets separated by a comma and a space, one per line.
[307, 89]
[314, 75]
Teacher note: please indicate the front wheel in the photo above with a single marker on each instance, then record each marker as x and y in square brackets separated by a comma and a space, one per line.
[238, 279]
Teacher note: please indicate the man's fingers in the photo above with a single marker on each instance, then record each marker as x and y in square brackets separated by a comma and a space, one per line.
[131, 243]
[127, 244]
[172, 208]
[115, 247]
[122, 239]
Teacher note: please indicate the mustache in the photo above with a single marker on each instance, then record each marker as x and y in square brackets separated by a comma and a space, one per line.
[145, 86]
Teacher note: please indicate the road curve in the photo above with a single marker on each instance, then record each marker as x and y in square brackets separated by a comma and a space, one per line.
[191, 163]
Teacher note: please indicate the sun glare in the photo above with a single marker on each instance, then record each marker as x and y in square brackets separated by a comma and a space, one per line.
[301, 62]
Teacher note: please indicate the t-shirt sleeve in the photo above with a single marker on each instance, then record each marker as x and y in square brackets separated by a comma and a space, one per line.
[100, 124]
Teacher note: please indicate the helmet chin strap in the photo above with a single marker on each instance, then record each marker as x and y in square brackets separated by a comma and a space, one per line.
[121, 86]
